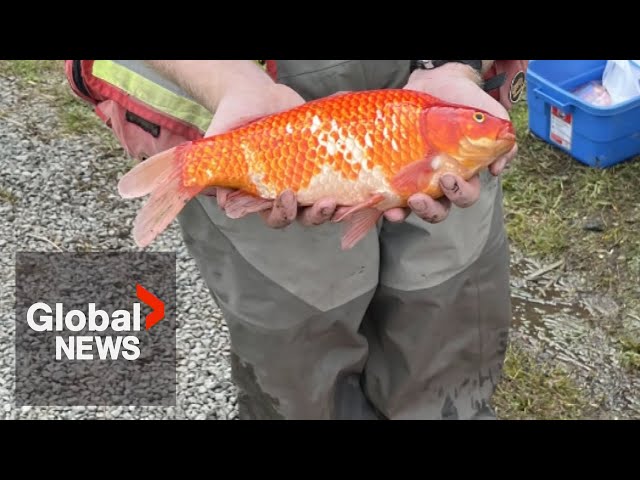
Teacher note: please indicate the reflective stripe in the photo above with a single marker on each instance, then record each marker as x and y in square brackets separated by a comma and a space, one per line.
[152, 93]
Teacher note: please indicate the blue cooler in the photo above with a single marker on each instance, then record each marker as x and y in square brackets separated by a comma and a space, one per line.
[596, 136]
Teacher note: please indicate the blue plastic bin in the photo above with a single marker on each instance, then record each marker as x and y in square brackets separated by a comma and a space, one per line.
[596, 136]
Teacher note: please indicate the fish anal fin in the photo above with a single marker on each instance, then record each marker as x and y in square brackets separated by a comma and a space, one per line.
[371, 202]
[358, 225]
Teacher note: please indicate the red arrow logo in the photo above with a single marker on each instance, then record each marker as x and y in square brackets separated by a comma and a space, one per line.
[157, 306]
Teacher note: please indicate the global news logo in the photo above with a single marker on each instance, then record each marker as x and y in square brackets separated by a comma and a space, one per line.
[42, 317]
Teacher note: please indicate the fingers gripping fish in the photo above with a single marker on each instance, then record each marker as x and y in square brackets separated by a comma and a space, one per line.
[368, 150]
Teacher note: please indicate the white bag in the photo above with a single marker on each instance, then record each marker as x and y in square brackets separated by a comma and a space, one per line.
[621, 78]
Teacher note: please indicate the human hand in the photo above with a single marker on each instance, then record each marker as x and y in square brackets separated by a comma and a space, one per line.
[242, 106]
[455, 83]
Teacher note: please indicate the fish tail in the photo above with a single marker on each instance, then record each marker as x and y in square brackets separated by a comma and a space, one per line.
[160, 176]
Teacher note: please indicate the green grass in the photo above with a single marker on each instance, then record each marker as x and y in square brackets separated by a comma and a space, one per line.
[549, 195]
[31, 71]
[6, 196]
[533, 391]
[75, 116]
[628, 337]
[630, 357]
[78, 118]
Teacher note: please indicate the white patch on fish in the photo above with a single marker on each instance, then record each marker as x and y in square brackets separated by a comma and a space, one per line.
[331, 183]
[265, 191]
[394, 122]
[345, 144]
[247, 151]
[367, 140]
[315, 124]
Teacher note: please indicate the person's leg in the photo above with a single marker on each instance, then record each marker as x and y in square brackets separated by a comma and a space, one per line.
[293, 302]
[438, 324]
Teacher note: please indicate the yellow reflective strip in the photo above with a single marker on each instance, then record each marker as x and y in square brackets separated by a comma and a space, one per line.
[152, 94]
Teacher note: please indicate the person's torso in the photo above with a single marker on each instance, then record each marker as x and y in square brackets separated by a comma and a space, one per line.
[319, 78]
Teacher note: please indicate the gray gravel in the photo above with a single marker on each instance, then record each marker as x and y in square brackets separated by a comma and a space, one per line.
[63, 197]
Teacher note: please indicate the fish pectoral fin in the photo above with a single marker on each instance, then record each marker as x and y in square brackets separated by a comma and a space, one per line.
[240, 203]
[414, 177]
[372, 202]
[358, 225]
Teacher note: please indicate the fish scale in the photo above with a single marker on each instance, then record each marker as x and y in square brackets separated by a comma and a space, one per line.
[349, 137]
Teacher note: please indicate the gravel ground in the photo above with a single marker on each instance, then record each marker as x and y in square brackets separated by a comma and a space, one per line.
[59, 202]
[558, 319]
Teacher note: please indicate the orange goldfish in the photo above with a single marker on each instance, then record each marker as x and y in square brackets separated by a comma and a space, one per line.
[369, 150]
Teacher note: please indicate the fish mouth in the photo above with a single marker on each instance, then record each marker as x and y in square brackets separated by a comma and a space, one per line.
[479, 147]
[505, 140]
[507, 134]
[486, 149]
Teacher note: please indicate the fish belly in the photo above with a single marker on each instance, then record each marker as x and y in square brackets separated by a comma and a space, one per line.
[331, 183]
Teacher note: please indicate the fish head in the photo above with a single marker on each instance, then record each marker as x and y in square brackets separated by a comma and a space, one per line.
[471, 136]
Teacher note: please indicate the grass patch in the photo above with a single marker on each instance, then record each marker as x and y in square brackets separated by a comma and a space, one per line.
[531, 391]
[630, 358]
[7, 196]
[31, 71]
[77, 117]
[550, 197]
[555, 207]
[628, 337]
[47, 76]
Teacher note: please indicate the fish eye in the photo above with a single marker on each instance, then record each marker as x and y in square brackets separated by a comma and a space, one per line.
[478, 117]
